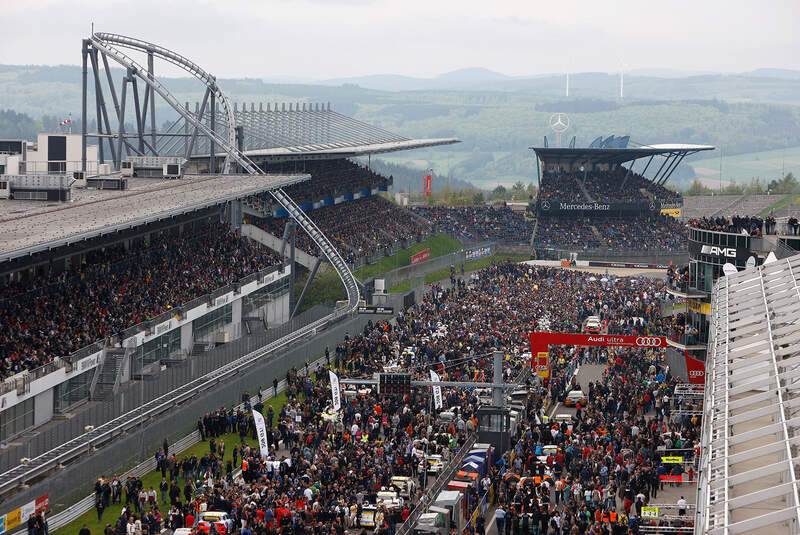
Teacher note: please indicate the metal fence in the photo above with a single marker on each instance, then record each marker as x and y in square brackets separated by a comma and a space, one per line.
[73, 482]
[416, 271]
[73, 512]
[650, 257]
[135, 401]
[430, 494]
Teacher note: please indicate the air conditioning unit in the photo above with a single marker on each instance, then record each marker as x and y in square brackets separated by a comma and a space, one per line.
[127, 168]
[104, 169]
[80, 178]
[5, 189]
[172, 170]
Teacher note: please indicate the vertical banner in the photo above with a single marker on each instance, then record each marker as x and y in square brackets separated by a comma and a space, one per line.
[261, 431]
[427, 185]
[543, 364]
[336, 393]
[437, 391]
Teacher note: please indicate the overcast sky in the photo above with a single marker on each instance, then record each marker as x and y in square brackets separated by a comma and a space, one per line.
[318, 39]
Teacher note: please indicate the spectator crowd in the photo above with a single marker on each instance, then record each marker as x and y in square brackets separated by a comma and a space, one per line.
[324, 469]
[653, 233]
[615, 185]
[358, 228]
[479, 223]
[749, 225]
[53, 314]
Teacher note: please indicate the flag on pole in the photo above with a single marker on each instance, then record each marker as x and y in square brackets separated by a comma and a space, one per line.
[336, 393]
[65, 122]
[437, 391]
[261, 431]
[427, 185]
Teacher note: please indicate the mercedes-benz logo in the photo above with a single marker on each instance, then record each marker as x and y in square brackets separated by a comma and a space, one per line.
[545, 204]
[652, 205]
[559, 122]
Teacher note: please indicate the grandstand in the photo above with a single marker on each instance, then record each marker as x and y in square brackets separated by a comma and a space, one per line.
[149, 266]
[591, 205]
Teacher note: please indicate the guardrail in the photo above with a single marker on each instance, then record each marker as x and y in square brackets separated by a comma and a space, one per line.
[75, 511]
[430, 494]
[76, 447]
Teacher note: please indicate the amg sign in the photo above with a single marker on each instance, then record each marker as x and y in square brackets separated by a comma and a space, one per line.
[729, 252]
[717, 251]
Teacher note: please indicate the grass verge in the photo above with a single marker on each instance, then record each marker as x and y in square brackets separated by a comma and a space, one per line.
[440, 245]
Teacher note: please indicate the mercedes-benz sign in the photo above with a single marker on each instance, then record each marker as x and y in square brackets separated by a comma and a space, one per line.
[648, 341]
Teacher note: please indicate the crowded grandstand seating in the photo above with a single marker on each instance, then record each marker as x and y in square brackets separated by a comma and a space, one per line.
[115, 288]
[321, 472]
[479, 223]
[329, 179]
[642, 234]
[602, 186]
[358, 228]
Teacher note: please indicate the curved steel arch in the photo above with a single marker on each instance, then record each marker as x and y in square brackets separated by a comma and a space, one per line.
[106, 42]
[228, 145]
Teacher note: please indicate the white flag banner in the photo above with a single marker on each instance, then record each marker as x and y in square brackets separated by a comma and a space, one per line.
[261, 431]
[437, 391]
[336, 392]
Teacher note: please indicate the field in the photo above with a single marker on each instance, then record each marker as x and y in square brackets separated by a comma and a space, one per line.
[439, 245]
[766, 165]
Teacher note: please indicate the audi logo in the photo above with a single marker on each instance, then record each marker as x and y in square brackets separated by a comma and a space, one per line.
[648, 341]
[696, 373]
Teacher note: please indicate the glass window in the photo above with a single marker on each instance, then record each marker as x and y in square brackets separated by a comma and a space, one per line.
[212, 322]
[16, 419]
[158, 348]
[73, 390]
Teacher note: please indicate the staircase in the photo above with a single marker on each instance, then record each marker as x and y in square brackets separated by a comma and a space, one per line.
[599, 236]
[105, 381]
[585, 193]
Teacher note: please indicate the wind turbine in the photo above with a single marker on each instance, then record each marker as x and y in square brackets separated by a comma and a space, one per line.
[622, 66]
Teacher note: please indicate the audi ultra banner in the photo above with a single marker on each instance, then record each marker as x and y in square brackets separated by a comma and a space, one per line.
[559, 207]
[540, 341]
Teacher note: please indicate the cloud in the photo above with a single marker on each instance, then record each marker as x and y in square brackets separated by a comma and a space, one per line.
[338, 38]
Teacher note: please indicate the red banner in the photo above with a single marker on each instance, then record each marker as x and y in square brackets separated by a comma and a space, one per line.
[43, 503]
[421, 256]
[427, 185]
[696, 370]
[540, 341]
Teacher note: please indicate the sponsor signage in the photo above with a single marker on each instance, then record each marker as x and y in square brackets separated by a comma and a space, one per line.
[21, 515]
[426, 184]
[421, 256]
[627, 265]
[695, 370]
[674, 212]
[672, 460]
[478, 253]
[719, 252]
[540, 341]
[376, 310]
[559, 207]
[649, 512]
[543, 364]
[671, 479]
[699, 306]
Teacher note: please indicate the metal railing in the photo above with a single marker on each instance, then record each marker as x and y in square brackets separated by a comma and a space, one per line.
[75, 511]
[84, 443]
[430, 494]
[25, 377]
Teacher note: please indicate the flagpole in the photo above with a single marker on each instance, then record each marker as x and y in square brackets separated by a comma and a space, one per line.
[70, 122]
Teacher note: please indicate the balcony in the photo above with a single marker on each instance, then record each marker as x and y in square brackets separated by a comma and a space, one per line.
[688, 342]
[681, 288]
